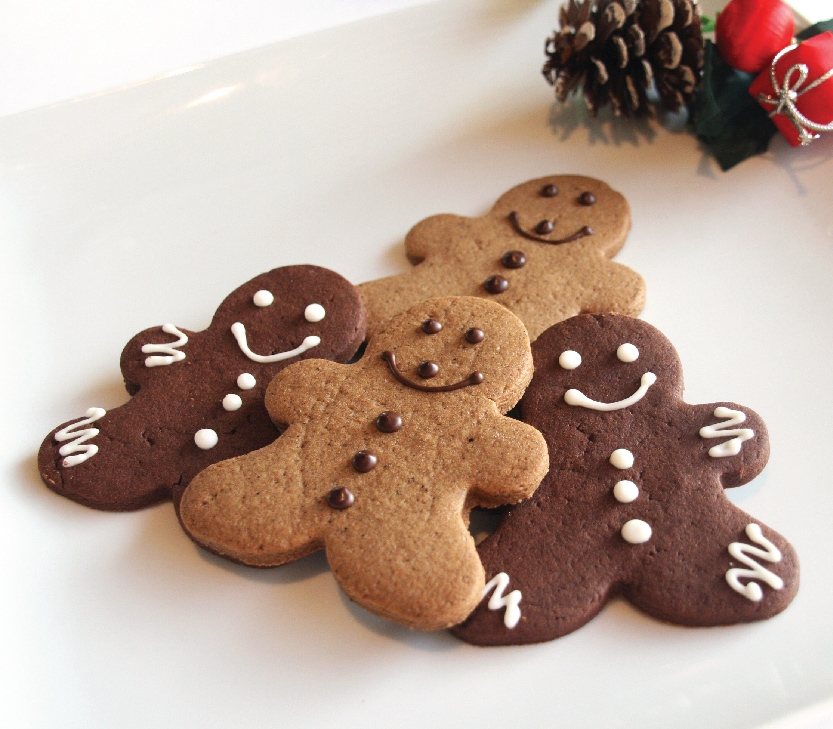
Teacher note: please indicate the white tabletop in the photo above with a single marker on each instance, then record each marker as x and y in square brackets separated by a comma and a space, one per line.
[51, 51]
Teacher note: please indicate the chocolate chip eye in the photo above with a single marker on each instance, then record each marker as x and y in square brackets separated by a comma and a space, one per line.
[496, 284]
[513, 259]
[549, 191]
[544, 227]
[431, 326]
[428, 369]
[586, 198]
[475, 335]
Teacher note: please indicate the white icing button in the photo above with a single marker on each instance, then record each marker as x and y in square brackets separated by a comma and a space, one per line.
[627, 353]
[569, 359]
[314, 313]
[636, 531]
[232, 402]
[263, 298]
[625, 491]
[246, 381]
[621, 458]
[205, 438]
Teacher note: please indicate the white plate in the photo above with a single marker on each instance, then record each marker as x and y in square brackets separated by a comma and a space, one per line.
[150, 204]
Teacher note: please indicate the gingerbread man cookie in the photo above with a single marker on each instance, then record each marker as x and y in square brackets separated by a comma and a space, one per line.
[543, 252]
[198, 397]
[382, 461]
[634, 501]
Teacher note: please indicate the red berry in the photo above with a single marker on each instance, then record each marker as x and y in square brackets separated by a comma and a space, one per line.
[749, 33]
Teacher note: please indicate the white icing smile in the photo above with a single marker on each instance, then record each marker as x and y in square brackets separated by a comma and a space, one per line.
[579, 399]
[239, 332]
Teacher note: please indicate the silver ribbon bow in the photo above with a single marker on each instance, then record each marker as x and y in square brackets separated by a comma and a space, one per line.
[785, 96]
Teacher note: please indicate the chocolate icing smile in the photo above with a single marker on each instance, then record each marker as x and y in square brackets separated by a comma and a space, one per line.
[475, 378]
[516, 224]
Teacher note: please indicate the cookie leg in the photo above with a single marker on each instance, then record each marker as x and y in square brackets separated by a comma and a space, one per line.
[410, 560]
[556, 584]
[739, 571]
[254, 509]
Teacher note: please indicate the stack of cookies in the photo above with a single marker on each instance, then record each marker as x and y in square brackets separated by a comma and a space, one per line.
[275, 435]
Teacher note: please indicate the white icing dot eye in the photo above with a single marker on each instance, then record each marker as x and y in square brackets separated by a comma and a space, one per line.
[246, 381]
[206, 438]
[263, 298]
[569, 359]
[627, 353]
[636, 531]
[625, 491]
[314, 313]
[232, 402]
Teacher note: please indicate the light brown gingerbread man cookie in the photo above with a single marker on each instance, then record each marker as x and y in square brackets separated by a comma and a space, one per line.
[543, 252]
[382, 462]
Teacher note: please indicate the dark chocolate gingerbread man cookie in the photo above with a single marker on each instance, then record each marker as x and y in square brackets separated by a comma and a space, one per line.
[198, 397]
[633, 503]
[543, 252]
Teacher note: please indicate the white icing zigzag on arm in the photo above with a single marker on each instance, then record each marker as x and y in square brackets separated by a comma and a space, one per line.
[744, 553]
[718, 430]
[497, 601]
[169, 350]
[79, 445]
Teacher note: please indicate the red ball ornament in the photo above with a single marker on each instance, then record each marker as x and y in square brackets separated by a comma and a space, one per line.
[749, 33]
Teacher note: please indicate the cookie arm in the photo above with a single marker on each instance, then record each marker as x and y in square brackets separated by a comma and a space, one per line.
[508, 461]
[616, 288]
[301, 390]
[734, 440]
[154, 350]
[435, 235]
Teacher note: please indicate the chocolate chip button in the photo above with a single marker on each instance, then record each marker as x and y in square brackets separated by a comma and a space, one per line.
[495, 284]
[389, 422]
[544, 227]
[549, 191]
[513, 259]
[586, 198]
[364, 461]
[340, 499]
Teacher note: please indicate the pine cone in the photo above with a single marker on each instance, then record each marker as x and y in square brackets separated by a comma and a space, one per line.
[616, 49]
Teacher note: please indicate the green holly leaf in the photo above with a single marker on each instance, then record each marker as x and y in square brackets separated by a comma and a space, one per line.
[815, 29]
[727, 120]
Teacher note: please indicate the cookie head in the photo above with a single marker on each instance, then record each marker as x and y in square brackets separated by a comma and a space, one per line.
[295, 311]
[562, 209]
[605, 363]
[456, 344]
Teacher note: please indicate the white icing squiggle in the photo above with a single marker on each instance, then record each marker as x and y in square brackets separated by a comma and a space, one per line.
[169, 350]
[497, 601]
[239, 332]
[744, 553]
[579, 399]
[730, 447]
[79, 444]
